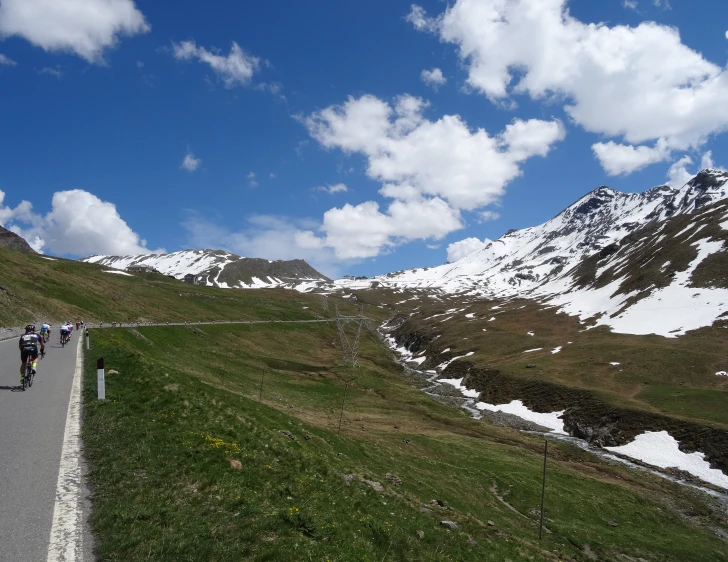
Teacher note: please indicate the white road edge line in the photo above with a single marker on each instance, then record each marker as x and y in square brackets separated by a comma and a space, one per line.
[67, 531]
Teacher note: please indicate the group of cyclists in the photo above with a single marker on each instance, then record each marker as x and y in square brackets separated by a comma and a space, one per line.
[32, 344]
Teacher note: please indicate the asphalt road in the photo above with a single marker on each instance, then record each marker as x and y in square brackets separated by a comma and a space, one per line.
[32, 425]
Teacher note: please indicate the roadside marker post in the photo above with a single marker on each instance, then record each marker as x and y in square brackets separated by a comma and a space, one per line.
[88, 340]
[100, 378]
[543, 488]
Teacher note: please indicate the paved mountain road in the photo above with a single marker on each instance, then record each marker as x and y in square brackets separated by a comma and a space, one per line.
[32, 425]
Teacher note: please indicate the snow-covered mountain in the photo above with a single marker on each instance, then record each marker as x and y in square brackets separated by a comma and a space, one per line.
[217, 268]
[544, 261]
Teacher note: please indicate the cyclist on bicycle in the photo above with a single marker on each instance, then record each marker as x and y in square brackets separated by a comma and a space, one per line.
[45, 331]
[66, 332]
[28, 346]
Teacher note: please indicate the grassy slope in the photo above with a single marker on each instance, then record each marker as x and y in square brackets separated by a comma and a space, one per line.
[34, 288]
[185, 401]
[673, 376]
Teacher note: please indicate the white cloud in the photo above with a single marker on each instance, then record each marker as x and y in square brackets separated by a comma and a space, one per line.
[55, 72]
[418, 18]
[414, 157]
[432, 246]
[462, 248]
[78, 224]
[6, 61]
[640, 84]
[83, 27]
[432, 169]
[235, 69]
[630, 4]
[707, 160]
[190, 163]
[338, 188]
[252, 182]
[488, 216]
[678, 174]
[664, 4]
[433, 77]
[265, 236]
[617, 159]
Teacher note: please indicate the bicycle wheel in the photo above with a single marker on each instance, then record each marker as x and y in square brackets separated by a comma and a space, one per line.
[29, 376]
[26, 376]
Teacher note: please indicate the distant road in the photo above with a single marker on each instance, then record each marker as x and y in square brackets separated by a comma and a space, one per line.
[31, 440]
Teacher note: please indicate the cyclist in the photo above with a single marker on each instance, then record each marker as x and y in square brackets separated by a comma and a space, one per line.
[45, 332]
[66, 332]
[28, 346]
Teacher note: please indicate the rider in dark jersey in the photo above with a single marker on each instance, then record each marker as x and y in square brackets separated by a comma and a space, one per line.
[28, 346]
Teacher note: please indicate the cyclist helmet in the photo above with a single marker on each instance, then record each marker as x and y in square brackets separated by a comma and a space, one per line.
[29, 328]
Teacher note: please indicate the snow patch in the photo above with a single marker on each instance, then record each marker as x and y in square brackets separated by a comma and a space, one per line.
[659, 448]
[531, 350]
[556, 349]
[118, 272]
[457, 383]
[551, 420]
[722, 374]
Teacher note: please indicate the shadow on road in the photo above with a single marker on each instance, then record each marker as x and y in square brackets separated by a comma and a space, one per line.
[12, 388]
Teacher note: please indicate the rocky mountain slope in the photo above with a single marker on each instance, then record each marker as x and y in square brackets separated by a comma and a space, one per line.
[11, 240]
[217, 268]
[590, 259]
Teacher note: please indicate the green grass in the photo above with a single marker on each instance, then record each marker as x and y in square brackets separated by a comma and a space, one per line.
[688, 402]
[184, 402]
[33, 288]
[651, 368]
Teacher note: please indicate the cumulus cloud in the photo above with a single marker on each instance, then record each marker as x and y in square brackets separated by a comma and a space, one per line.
[640, 84]
[190, 163]
[6, 61]
[431, 169]
[235, 69]
[331, 189]
[252, 182]
[630, 4]
[78, 224]
[618, 159]
[264, 236]
[83, 27]
[433, 77]
[458, 250]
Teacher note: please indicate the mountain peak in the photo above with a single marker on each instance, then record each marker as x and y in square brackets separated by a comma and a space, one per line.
[9, 239]
[218, 268]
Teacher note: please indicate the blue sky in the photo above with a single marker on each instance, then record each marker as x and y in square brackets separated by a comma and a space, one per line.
[100, 109]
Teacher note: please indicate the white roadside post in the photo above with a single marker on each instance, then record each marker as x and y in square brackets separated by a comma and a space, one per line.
[88, 341]
[100, 378]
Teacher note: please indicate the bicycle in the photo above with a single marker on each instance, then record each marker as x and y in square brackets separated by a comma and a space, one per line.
[27, 381]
